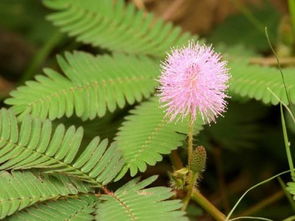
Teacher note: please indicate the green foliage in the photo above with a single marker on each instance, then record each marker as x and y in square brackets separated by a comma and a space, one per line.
[35, 144]
[146, 134]
[118, 26]
[258, 82]
[77, 209]
[132, 202]
[93, 85]
[97, 86]
[22, 189]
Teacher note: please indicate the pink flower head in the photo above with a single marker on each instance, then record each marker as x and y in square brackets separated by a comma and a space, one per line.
[194, 81]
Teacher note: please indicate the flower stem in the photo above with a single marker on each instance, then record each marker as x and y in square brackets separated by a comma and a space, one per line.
[192, 176]
[190, 142]
[192, 180]
[208, 206]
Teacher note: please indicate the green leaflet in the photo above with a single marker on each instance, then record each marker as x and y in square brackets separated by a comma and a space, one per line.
[132, 202]
[22, 189]
[76, 209]
[93, 85]
[253, 81]
[116, 26]
[36, 144]
[146, 134]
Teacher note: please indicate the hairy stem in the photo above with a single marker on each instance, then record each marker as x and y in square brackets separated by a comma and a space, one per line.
[192, 180]
[197, 196]
[208, 206]
[192, 176]
[190, 142]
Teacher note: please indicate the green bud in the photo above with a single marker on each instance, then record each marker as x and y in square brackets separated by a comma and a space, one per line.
[199, 160]
[178, 178]
[180, 173]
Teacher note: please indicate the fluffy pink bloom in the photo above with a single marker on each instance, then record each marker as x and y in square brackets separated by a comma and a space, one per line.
[193, 81]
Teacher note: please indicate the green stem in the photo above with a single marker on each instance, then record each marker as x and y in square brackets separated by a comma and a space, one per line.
[287, 144]
[190, 142]
[192, 176]
[208, 206]
[192, 180]
[287, 194]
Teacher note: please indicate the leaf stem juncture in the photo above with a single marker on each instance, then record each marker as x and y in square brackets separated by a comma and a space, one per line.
[196, 195]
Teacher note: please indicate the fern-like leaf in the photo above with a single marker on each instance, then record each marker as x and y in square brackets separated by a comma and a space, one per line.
[93, 85]
[77, 209]
[22, 189]
[115, 26]
[132, 202]
[36, 144]
[260, 83]
[146, 135]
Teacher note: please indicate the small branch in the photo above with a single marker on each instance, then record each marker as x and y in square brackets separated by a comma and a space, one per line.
[107, 191]
[271, 61]
[175, 160]
[208, 206]
[262, 204]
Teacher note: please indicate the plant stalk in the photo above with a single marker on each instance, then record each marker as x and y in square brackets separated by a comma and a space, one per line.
[192, 180]
[192, 176]
[190, 142]
[287, 144]
[207, 205]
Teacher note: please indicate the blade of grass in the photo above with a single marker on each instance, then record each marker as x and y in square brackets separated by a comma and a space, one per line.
[287, 144]
[285, 105]
[279, 65]
[251, 188]
[286, 140]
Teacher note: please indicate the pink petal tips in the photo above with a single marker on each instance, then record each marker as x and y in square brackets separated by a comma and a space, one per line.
[193, 81]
